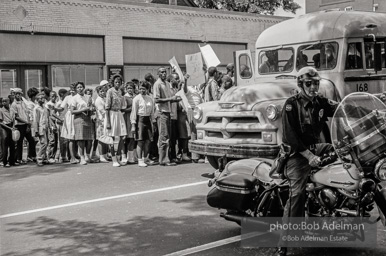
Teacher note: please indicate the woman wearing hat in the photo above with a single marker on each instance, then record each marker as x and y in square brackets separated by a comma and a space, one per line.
[115, 125]
[84, 127]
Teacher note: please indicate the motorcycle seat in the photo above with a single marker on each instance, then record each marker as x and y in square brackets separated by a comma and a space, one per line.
[237, 180]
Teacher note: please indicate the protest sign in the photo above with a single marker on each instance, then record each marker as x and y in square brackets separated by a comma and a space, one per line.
[173, 62]
[185, 103]
[194, 67]
[209, 56]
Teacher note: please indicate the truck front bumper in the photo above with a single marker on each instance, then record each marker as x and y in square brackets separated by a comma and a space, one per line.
[203, 147]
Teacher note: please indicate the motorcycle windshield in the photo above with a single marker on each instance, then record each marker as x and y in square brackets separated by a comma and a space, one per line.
[358, 129]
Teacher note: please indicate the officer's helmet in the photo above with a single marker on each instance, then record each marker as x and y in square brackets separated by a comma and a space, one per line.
[307, 74]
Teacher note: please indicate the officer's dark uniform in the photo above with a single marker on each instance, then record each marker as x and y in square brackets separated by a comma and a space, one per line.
[303, 121]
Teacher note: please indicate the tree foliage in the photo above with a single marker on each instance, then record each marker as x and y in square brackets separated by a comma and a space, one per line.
[251, 6]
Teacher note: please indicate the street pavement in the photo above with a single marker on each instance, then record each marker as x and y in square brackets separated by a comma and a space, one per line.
[100, 210]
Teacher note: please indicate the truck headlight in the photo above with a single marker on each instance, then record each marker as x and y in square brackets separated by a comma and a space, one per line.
[272, 112]
[197, 113]
[380, 170]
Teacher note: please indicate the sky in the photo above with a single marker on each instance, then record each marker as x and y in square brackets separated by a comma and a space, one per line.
[298, 12]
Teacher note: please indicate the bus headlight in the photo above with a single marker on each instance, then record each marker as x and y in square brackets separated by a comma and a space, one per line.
[272, 112]
[197, 113]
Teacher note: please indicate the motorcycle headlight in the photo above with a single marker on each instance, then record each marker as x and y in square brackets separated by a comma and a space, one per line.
[197, 113]
[272, 112]
[380, 170]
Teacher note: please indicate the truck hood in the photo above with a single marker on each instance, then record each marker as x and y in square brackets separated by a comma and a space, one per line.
[246, 97]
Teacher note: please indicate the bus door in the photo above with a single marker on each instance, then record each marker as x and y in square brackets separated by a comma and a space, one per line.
[244, 71]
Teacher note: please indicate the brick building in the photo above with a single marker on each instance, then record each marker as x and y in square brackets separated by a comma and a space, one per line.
[348, 5]
[53, 43]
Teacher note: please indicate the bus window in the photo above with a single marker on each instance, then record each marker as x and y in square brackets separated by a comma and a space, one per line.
[321, 56]
[369, 53]
[354, 56]
[275, 61]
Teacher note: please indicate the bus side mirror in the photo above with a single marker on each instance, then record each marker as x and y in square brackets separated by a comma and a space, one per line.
[377, 57]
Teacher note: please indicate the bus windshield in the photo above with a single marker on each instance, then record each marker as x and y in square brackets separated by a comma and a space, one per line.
[276, 61]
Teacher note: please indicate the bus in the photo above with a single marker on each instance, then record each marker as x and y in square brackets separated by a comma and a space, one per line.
[347, 49]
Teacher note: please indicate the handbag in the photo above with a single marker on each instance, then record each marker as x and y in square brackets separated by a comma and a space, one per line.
[277, 170]
[106, 140]
[15, 135]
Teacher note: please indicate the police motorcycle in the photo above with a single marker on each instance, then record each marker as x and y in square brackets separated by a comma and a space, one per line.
[347, 183]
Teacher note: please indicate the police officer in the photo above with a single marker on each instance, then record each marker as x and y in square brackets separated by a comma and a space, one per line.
[304, 116]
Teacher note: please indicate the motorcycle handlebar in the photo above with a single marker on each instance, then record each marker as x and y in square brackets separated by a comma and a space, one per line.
[327, 159]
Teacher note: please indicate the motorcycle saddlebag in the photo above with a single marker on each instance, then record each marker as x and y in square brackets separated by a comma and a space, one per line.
[233, 192]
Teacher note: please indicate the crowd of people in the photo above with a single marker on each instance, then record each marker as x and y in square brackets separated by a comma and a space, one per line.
[146, 122]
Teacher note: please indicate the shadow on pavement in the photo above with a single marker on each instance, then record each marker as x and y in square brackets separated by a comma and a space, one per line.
[31, 169]
[137, 236]
[145, 235]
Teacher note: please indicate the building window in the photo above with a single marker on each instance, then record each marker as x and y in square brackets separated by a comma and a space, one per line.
[349, 8]
[8, 80]
[139, 72]
[375, 7]
[64, 75]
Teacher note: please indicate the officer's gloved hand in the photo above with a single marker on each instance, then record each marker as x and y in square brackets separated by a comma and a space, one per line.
[313, 160]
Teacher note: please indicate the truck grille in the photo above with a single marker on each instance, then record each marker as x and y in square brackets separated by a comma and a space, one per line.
[247, 127]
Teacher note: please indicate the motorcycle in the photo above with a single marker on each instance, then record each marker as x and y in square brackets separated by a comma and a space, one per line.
[348, 183]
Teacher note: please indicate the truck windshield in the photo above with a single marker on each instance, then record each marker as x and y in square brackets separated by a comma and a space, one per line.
[276, 61]
[322, 56]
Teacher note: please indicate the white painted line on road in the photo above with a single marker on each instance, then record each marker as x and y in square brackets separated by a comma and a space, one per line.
[101, 199]
[212, 245]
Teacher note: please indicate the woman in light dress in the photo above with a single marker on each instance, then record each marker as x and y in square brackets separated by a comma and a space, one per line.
[68, 131]
[101, 112]
[115, 125]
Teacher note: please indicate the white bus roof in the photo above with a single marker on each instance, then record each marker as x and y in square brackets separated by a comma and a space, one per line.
[323, 25]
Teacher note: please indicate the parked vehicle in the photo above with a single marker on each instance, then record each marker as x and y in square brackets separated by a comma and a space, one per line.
[347, 187]
[347, 49]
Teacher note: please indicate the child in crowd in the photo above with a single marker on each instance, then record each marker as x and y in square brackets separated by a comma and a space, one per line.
[23, 124]
[41, 124]
[94, 117]
[141, 122]
[88, 91]
[136, 85]
[130, 143]
[63, 155]
[100, 113]
[52, 130]
[6, 123]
